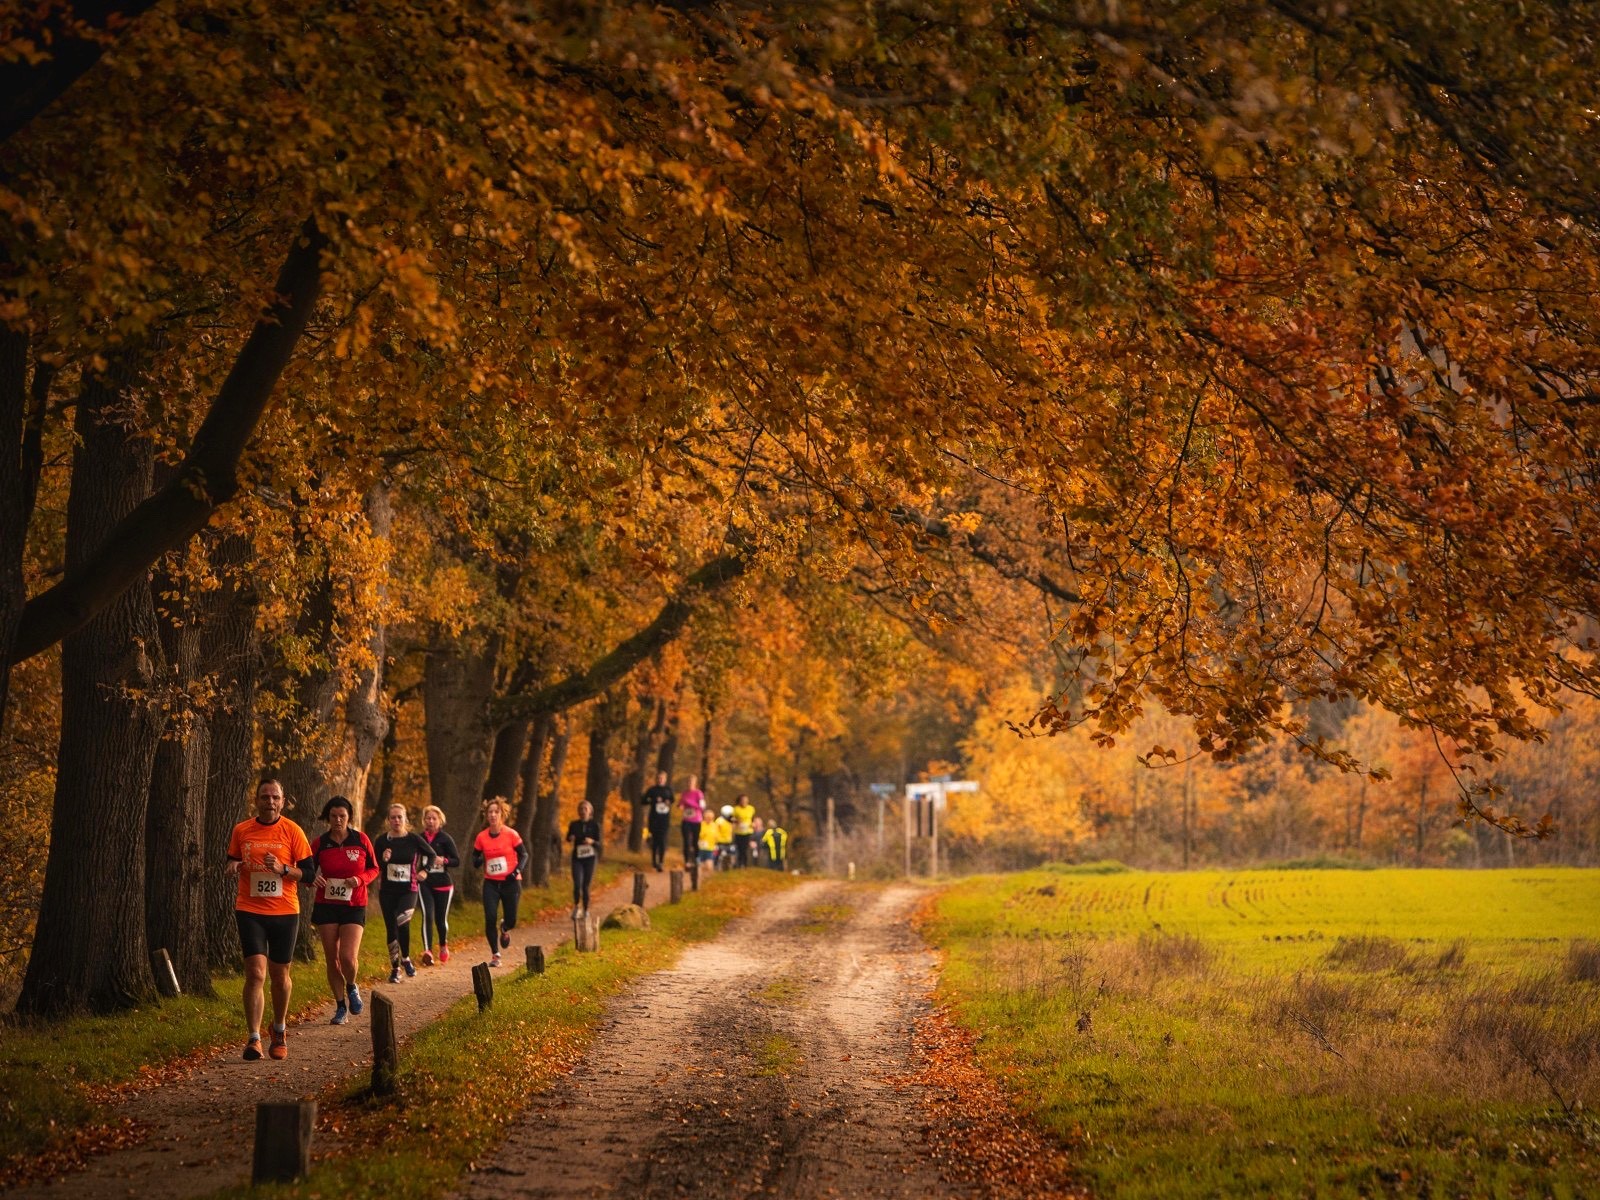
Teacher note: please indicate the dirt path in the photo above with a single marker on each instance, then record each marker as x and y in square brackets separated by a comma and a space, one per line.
[774, 1061]
[201, 1130]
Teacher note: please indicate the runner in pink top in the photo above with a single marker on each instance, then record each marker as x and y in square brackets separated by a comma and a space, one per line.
[692, 803]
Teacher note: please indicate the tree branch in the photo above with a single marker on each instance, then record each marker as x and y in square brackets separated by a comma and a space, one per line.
[629, 653]
[72, 37]
[205, 480]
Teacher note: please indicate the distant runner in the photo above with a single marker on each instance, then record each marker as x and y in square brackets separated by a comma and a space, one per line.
[744, 829]
[345, 865]
[499, 852]
[584, 834]
[776, 843]
[438, 888]
[692, 804]
[404, 857]
[657, 801]
[724, 834]
[708, 844]
[269, 853]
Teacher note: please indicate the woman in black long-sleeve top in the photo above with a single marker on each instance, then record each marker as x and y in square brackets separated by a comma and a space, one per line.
[439, 887]
[584, 834]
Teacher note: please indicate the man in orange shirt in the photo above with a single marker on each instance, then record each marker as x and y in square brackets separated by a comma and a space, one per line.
[270, 854]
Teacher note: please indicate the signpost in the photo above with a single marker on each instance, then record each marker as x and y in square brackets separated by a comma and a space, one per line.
[930, 799]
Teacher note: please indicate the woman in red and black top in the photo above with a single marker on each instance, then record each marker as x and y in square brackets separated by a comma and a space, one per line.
[499, 852]
[346, 864]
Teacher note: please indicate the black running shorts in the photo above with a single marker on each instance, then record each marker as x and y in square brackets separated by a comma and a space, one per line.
[272, 936]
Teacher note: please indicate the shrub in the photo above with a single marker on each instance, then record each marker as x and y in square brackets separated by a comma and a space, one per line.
[1105, 866]
[1583, 961]
[1369, 954]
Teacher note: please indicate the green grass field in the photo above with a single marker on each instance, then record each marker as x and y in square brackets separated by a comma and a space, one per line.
[1293, 1033]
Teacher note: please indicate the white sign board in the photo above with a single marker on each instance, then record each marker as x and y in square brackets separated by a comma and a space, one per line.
[938, 789]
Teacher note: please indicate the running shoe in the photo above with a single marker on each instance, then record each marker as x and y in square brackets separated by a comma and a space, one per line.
[576, 913]
[252, 1050]
[494, 960]
[505, 939]
[339, 1016]
[410, 968]
[444, 953]
[394, 975]
[280, 1044]
[427, 958]
[356, 1004]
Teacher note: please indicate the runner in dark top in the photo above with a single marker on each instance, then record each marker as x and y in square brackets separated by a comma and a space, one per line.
[346, 864]
[584, 834]
[438, 888]
[498, 851]
[657, 801]
[404, 858]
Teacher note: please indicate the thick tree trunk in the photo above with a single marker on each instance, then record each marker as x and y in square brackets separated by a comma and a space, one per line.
[89, 946]
[604, 723]
[13, 516]
[667, 755]
[547, 814]
[506, 763]
[458, 684]
[231, 652]
[651, 719]
[175, 862]
[528, 805]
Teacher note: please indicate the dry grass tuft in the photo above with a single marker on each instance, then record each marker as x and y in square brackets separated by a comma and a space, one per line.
[1365, 953]
[1583, 961]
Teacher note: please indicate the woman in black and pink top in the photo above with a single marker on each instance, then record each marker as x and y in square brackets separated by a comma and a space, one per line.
[404, 858]
[584, 834]
[345, 865]
[438, 887]
[498, 851]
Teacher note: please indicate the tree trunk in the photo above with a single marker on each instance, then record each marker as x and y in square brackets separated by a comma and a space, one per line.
[89, 945]
[175, 827]
[528, 804]
[231, 652]
[547, 815]
[667, 755]
[365, 722]
[651, 720]
[458, 684]
[506, 764]
[705, 746]
[604, 722]
[13, 513]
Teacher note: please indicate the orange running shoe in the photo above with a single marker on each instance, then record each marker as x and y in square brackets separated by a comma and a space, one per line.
[252, 1049]
[280, 1044]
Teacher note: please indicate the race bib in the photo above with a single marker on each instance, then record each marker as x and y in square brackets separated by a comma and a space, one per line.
[265, 885]
[399, 873]
[338, 890]
[663, 806]
[495, 866]
[584, 852]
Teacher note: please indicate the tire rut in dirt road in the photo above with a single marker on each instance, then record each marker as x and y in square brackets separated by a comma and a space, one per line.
[770, 1062]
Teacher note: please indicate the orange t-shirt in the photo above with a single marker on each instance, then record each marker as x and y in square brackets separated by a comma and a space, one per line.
[260, 890]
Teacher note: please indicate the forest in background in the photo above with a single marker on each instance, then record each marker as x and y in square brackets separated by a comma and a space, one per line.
[427, 403]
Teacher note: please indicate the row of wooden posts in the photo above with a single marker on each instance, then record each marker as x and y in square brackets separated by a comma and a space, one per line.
[283, 1128]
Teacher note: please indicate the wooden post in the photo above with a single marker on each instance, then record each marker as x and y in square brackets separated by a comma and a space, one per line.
[166, 976]
[283, 1140]
[933, 846]
[694, 876]
[640, 887]
[385, 1046]
[830, 835]
[586, 932]
[483, 985]
[905, 806]
[674, 887]
[536, 960]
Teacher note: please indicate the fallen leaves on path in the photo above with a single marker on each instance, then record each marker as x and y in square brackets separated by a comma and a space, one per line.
[68, 1151]
[972, 1128]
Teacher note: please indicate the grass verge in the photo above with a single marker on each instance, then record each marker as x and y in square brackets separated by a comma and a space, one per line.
[1289, 1033]
[59, 1078]
[416, 1142]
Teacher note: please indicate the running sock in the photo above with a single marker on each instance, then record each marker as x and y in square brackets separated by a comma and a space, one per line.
[278, 1029]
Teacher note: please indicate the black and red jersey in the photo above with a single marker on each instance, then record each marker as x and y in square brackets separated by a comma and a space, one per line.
[347, 868]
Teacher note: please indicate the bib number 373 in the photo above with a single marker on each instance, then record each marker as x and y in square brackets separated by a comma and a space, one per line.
[495, 866]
